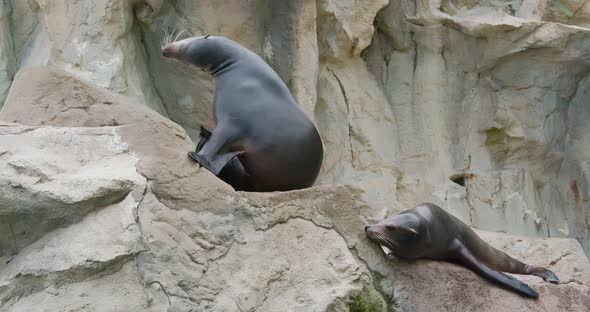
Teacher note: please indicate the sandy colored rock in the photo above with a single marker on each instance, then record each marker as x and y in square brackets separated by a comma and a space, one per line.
[493, 90]
[7, 58]
[482, 95]
[120, 291]
[195, 243]
[347, 27]
[53, 177]
[50, 96]
[439, 286]
[477, 106]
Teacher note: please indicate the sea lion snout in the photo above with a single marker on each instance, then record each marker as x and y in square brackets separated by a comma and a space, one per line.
[371, 229]
[374, 230]
[170, 50]
[176, 49]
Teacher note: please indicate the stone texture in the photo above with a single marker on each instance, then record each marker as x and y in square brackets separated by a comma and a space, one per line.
[436, 286]
[53, 177]
[476, 105]
[194, 242]
[120, 291]
[7, 58]
[406, 94]
[98, 41]
[483, 92]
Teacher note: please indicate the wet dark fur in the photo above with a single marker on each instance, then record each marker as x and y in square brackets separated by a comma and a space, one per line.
[427, 231]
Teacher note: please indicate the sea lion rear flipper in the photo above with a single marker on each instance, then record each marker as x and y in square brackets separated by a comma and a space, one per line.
[235, 175]
[545, 274]
[504, 280]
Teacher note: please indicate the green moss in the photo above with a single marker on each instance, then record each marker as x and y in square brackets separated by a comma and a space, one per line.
[369, 300]
[495, 136]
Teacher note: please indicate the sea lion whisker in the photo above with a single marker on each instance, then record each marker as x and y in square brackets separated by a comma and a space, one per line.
[387, 240]
[164, 40]
[391, 241]
[382, 238]
[373, 235]
[179, 33]
[377, 237]
[170, 36]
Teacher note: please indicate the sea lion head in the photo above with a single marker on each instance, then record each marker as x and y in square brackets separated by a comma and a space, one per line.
[209, 53]
[396, 231]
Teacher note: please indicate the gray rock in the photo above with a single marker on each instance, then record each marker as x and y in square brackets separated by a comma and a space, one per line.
[478, 106]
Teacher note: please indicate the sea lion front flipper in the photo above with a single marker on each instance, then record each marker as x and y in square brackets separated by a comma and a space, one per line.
[219, 149]
[216, 163]
[504, 280]
[204, 137]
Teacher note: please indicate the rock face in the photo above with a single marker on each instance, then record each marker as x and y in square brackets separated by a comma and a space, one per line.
[477, 106]
[169, 234]
[101, 210]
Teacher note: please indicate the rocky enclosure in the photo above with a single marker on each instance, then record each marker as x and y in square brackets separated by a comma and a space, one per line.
[478, 106]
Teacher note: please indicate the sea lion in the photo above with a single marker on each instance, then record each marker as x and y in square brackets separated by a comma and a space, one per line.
[427, 231]
[262, 141]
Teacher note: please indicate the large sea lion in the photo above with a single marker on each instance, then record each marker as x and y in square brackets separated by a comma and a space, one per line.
[427, 231]
[262, 141]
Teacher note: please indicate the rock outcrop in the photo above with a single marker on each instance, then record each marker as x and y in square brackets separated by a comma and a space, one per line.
[477, 106]
[159, 225]
[102, 210]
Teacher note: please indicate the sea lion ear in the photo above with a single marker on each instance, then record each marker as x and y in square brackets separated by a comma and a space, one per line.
[409, 229]
[206, 36]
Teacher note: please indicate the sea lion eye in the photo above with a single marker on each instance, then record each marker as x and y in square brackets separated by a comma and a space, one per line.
[390, 227]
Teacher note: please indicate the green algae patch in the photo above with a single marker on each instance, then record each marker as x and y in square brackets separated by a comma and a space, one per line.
[495, 136]
[368, 300]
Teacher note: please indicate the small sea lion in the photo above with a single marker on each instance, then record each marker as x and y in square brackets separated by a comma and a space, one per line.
[262, 141]
[429, 232]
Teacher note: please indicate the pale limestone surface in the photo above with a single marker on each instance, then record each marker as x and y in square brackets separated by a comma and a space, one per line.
[182, 239]
[163, 234]
[479, 106]
[406, 94]
[52, 177]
